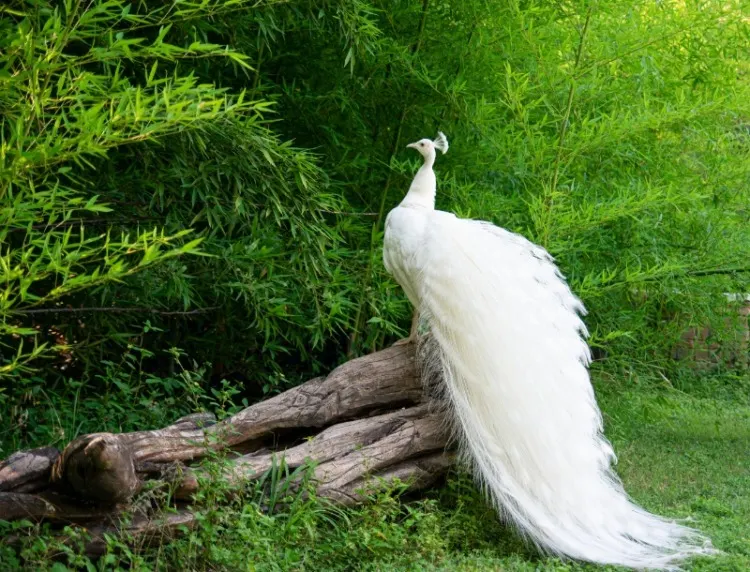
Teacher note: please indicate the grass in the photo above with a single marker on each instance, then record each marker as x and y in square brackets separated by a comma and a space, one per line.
[680, 455]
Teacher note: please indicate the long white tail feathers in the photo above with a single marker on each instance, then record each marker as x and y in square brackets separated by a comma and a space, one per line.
[508, 341]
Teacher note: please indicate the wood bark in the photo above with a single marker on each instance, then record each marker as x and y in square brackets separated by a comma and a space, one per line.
[359, 428]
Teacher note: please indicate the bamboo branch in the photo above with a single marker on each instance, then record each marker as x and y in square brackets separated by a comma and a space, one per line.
[114, 310]
[549, 198]
[88, 223]
[717, 271]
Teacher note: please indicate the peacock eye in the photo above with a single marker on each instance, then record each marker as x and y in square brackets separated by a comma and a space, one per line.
[421, 144]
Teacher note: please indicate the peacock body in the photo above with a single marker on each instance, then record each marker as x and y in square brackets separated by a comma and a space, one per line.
[508, 339]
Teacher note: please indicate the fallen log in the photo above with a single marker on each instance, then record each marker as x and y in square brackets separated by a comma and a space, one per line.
[27, 471]
[359, 428]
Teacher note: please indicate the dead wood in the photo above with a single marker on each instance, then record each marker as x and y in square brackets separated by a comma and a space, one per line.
[359, 428]
[27, 471]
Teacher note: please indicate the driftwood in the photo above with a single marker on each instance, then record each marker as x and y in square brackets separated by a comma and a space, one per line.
[359, 428]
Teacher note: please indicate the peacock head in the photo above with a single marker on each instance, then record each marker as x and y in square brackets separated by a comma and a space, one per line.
[427, 147]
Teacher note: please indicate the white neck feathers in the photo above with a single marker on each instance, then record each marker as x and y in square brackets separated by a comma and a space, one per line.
[423, 187]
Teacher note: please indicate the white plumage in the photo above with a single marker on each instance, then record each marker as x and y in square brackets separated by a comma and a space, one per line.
[507, 337]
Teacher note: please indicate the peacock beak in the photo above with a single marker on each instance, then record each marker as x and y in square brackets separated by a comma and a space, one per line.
[412, 145]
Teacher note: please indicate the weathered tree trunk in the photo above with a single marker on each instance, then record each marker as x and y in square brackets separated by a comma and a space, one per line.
[362, 426]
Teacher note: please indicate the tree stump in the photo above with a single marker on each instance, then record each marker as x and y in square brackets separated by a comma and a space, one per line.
[365, 424]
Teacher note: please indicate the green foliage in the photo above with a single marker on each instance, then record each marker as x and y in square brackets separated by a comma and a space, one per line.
[126, 399]
[124, 149]
[147, 172]
[67, 100]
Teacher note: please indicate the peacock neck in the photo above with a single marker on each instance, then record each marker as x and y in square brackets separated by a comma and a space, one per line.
[422, 190]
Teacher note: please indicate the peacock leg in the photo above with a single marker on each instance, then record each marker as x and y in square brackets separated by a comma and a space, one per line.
[414, 330]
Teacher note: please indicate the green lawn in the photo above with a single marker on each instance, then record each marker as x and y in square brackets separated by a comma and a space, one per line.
[680, 455]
